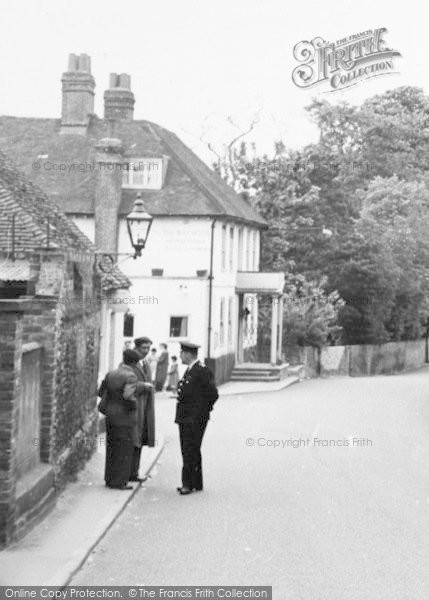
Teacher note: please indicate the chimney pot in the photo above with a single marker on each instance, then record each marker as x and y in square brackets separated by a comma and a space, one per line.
[113, 80]
[72, 62]
[78, 95]
[125, 81]
[84, 63]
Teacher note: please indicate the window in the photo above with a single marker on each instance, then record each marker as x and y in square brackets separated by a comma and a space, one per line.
[128, 324]
[223, 266]
[144, 173]
[229, 320]
[231, 249]
[178, 326]
[222, 322]
[248, 251]
[254, 265]
[240, 249]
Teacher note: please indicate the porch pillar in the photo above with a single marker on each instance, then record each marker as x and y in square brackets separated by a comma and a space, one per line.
[280, 322]
[274, 322]
[240, 353]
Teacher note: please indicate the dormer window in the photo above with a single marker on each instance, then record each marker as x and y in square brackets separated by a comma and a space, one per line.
[145, 173]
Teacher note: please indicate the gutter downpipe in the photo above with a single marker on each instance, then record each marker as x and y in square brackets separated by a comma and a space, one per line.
[209, 328]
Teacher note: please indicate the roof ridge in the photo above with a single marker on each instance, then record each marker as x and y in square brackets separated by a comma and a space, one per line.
[191, 184]
[221, 186]
[188, 171]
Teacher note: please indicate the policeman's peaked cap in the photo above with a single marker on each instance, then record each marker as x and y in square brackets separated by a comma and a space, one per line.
[189, 347]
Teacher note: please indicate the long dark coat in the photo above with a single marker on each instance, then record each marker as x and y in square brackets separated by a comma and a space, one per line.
[120, 387]
[144, 434]
[161, 370]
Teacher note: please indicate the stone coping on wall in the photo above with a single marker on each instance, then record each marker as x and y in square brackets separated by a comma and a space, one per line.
[31, 346]
[15, 305]
[25, 304]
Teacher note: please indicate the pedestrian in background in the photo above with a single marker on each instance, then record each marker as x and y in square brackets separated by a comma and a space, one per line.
[144, 434]
[173, 375]
[152, 360]
[161, 368]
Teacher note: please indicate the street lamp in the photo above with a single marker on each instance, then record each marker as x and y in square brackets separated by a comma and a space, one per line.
[139, 223]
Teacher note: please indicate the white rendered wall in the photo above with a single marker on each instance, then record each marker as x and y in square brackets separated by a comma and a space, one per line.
[181, 246]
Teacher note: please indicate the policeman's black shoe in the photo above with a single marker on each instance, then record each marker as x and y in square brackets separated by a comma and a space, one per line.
[183, 491]
[138, 479]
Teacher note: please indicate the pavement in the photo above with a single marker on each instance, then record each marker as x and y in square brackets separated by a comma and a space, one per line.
[237, 388]
[55, 549]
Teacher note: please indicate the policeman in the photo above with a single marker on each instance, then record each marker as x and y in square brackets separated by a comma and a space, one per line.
[196, 395]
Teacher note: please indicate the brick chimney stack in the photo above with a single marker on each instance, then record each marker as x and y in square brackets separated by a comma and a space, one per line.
[119, 99]
[78, 95]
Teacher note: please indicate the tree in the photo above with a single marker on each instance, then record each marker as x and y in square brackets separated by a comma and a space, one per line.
[371, 172]
[395, 215]
[310, 315]
[367, 181]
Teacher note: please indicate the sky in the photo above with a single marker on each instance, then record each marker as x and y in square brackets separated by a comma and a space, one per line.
[203, 69]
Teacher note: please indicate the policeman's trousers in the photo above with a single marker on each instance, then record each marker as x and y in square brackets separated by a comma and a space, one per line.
[191, 437]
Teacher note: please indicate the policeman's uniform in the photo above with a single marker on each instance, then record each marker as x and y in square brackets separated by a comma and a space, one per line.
[196, 395]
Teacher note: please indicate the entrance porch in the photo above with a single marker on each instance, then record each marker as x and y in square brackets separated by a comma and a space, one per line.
[250, 286]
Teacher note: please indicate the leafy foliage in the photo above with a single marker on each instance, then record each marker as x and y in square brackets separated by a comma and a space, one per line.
[367, 182]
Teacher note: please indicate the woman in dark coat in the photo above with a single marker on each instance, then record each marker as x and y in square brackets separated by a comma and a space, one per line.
[161, 368]
[118, 393]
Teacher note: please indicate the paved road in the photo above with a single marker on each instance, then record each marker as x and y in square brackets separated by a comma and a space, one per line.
[317, 522]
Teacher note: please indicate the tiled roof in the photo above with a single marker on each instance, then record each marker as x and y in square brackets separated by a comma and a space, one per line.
[39, 223]
[112, 278]
[38, 220]
[15, 271]
[191, 188]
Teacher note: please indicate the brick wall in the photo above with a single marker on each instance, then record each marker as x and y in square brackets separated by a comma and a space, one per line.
[64, 320]
[10, 359]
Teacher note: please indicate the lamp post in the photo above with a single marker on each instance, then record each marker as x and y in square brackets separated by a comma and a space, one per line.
[139, 223]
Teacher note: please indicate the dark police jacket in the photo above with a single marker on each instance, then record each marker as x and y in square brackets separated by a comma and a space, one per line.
[196, 395]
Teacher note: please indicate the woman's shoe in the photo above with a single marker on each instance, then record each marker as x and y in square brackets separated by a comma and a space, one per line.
[183, 491]
[120, 487]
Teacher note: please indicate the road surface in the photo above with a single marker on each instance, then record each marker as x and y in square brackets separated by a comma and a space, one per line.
[320, 490]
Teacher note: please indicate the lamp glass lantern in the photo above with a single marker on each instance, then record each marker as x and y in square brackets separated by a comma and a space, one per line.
[139, 223]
